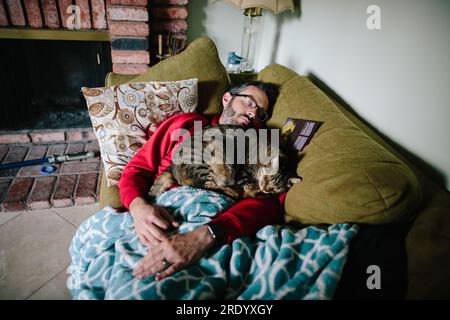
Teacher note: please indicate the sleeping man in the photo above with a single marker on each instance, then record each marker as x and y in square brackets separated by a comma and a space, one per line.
[117, 255]
[246, 105]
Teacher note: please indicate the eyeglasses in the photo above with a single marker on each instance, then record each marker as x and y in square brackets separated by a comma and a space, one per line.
[250, 101]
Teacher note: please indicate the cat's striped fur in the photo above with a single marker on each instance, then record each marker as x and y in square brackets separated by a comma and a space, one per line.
[237, 180]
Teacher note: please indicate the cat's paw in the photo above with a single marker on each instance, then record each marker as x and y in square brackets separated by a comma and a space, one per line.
[157, 190]
[210, 185]
[162, 183]
[232, 193]
[250, 190]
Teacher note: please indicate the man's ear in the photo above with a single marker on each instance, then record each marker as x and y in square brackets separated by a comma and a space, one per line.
[226, 98]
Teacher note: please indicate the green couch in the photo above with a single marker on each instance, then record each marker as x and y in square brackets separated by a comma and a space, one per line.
[350, 174]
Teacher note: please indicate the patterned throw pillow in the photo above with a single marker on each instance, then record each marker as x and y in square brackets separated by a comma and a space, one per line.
[124, 117]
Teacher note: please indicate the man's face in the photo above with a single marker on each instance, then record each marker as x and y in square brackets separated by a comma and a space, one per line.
[246, 109]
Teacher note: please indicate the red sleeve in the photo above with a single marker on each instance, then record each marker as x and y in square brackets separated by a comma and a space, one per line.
[153, 157]
[249, 215]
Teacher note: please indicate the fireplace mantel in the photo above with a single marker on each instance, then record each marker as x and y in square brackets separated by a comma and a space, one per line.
[47, 34]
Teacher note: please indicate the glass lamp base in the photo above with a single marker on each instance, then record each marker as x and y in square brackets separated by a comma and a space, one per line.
[249, 38]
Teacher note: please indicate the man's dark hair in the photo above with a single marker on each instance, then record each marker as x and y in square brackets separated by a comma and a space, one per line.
[270, 89]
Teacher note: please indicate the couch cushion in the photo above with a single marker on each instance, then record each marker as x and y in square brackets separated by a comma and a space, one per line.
[113, 79]
[347, 176]
[199, 60]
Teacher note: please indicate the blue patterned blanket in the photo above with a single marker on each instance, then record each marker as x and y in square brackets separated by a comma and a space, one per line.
[281, 262]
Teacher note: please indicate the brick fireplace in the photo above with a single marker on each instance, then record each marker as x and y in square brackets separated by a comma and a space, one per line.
[127, 23]
[120, 36]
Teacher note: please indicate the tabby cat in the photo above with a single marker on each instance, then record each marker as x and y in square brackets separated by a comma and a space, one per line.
[237, 180]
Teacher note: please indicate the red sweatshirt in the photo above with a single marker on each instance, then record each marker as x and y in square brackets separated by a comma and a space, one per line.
[242, 219]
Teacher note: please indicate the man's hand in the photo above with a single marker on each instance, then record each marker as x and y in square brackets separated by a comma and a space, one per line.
[178, 251]
[151, 222]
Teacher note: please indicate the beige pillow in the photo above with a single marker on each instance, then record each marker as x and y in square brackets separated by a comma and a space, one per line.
[124, 117]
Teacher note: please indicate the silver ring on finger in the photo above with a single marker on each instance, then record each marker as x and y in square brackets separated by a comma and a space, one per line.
[165, 263]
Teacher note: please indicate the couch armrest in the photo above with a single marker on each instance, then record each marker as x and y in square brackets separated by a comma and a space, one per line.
[113, 78]
[108, 195]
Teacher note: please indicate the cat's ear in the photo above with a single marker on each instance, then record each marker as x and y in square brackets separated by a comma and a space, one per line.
[272, 167]
[292, 181]
[275, 164]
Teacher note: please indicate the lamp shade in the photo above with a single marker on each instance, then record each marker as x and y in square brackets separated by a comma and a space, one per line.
[275, 6]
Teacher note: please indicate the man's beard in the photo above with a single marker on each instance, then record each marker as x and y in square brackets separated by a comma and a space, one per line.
[229, 116]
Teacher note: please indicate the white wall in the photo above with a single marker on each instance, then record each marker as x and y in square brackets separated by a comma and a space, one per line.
[396, 78]
[220, 21]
